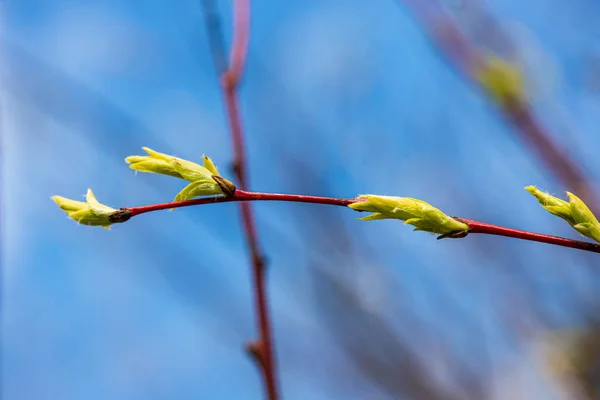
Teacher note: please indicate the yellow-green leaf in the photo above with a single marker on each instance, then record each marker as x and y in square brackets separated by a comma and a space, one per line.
[197, 189]
[209, 165]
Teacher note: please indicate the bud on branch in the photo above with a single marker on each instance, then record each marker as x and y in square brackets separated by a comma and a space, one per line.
[415, 212]
[575, 212]
[90, 212]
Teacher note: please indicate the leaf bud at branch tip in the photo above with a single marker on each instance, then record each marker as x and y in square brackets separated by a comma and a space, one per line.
[575, 212]
[91, 212]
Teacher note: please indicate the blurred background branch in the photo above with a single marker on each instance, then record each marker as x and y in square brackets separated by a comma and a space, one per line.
[470, 60]
[262, 349]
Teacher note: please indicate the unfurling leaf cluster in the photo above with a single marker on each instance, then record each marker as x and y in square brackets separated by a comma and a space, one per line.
[575, 212]
[91, 212]
[201, 178]
[423, 216]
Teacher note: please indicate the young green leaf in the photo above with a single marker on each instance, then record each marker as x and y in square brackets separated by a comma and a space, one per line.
[160, 163]
[197, 189]
[209, 165]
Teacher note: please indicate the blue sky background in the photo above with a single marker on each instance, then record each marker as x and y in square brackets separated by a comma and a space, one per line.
[339, 98]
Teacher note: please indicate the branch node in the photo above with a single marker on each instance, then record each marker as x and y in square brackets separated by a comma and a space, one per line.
[229, 80]
[260, 261]
[119, 216]
[256, 350]
[226, 186]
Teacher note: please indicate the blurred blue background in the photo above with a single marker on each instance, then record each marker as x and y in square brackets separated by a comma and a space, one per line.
[339, 98]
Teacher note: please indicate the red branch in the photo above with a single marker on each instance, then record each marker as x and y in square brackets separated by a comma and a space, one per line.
[482, 227]
[239, 47]
[474, 226]
[242, 196]
[262, 348]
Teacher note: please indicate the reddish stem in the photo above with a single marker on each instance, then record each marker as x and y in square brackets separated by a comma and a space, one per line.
[243, 196]
[474, 226]
[482, 227]
[239, 47]
[230, 80]
[230, 76]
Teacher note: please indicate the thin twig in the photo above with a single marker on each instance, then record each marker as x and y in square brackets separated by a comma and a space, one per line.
[244, 197]
[215, 33]
[261, 349]
[482, 227]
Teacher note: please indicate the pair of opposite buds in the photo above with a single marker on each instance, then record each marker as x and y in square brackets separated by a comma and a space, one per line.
[206, 181]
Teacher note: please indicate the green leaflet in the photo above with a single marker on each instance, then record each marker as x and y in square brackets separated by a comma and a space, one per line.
[197, 189]
[190, 171]
[160, 163]
[154, 166]
[209, 165]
